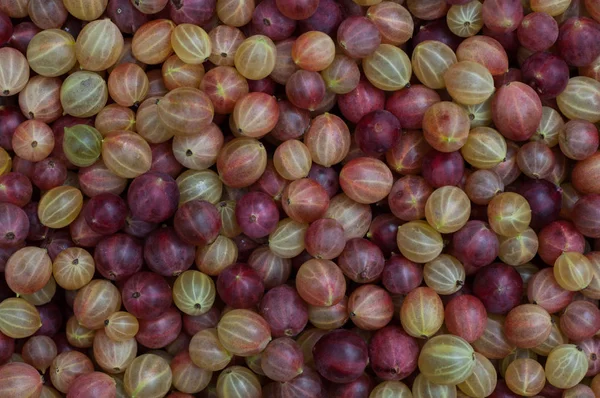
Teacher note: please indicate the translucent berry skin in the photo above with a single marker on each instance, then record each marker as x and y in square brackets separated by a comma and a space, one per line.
[516, 111]
[465, 316]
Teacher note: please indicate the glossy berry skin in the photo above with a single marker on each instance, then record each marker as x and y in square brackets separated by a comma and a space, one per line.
[257, 214]
[49, 173]
[443, 168]
[284, 310]
[475, 244]
[197, 222]
[579, 41]
[360, 387]
[327, 177]
[499, 287]
[365, 98]
[105, 213]
[153, 197]
[124, 14]
[436, 30]
[546, 73]
[465, 316]
[377, 132]
[268, 21]
[15, 188]
[118, 256]
[146, 295]
[240, 286]
[197, 12]
[341, 356]
[37, 230]
[545, 200]
[393, 354]
[326, 19]
[15, 226]
[11, 117]
[161, 331]
[166, 254]
[400, 275]
[383, 232]
[6, 28]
